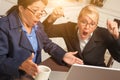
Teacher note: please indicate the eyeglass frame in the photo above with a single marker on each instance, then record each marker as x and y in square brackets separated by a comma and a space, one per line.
[85, 23]
[42, 13]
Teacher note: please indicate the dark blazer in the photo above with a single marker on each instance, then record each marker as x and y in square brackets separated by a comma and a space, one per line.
[94, 51]
[16, 48]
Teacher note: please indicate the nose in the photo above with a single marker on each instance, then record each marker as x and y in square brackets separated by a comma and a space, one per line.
[87, 26]
[38, 15]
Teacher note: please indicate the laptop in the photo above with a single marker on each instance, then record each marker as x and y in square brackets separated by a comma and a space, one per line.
[85, 72]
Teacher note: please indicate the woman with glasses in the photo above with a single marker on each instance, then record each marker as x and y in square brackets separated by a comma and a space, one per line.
[21, 40]
[85, 36]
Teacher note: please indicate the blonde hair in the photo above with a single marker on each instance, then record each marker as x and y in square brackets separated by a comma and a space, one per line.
[91, 11]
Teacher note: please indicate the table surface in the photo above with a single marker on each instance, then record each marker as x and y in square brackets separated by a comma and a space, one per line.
[54, 66]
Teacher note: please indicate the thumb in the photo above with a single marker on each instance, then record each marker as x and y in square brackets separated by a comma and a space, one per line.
[74, 52]
[32, 56]
[109, 23]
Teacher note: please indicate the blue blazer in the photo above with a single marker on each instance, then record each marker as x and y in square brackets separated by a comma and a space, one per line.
[15, 47]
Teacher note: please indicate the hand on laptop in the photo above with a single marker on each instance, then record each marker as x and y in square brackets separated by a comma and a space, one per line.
[70, 59]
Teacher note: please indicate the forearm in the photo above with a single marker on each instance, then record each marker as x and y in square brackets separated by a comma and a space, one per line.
[49, 20]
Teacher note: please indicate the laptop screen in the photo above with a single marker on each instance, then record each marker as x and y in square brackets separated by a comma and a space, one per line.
[85, 72]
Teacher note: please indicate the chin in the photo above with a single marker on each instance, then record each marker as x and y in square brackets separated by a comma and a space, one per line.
[84, 37]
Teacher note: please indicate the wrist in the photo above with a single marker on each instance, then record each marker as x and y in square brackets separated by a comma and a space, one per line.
[51, 19]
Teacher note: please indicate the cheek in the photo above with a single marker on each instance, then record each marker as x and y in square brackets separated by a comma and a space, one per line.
[29, 21]
[80, 26]
[29, 18]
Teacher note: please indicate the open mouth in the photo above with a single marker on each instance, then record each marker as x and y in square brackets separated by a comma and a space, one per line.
[35, 21]
[85, 33]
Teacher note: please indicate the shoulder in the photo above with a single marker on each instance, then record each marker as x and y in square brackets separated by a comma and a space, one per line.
[4, 22]
[101, 30]
[70, 25]
[40, 25]
[3, 18]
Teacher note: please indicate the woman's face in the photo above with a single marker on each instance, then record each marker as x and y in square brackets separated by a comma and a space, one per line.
[86, 26]
[32, 14]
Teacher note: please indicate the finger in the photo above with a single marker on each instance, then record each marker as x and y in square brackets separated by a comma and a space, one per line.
[55, 12]
[109, 25]
[33, 77]
[34, 74]
[31, 57]
[59, 11]
[74, 52]
[35, 68]
[33, 71]
[113, 27]
[76, 61]
[79, 61]
[114, 30]
[59, 8]
[116, 33]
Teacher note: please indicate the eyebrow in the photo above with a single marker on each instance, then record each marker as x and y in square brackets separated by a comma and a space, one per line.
[35, 6]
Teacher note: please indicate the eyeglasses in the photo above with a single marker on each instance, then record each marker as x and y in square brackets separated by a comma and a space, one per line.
[38, 13]
[85, 23]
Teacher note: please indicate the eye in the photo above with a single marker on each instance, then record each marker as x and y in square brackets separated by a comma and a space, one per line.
[84, 22]
[35, 10]
[92, 24]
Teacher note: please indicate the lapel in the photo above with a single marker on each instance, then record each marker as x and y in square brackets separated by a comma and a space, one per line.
[24, 42]
[90, 45]
[92, 42]
[40, 41]
[76, 43]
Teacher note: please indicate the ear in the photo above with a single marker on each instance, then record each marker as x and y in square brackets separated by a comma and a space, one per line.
[21, 8]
